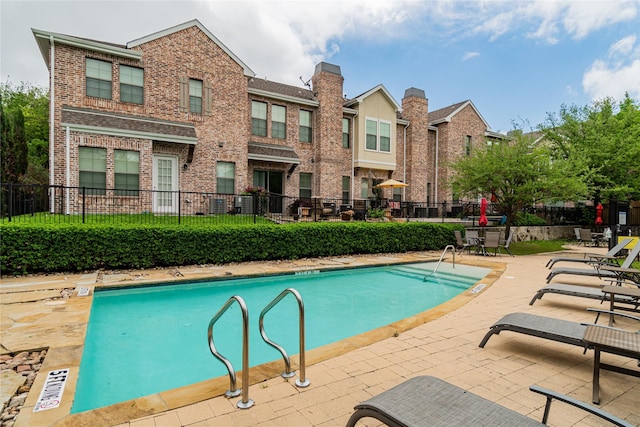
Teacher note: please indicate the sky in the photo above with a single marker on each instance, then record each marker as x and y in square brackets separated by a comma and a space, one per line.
[517, 61]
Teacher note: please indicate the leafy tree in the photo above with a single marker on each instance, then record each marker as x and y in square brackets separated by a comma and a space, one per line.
[602, 142]
[516, 174]
[14, 146]
[26, 129]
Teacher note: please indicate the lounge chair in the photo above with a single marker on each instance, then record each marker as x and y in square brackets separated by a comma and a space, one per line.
[549, 328]
[597, 271]
[592, 292]
[609, 258]
[430, 401]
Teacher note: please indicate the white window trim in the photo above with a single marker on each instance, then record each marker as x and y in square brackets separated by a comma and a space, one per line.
[378, 121]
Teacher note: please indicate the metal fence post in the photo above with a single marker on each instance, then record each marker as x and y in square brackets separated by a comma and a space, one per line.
[10, 201]
[179, 205]
[84, 203]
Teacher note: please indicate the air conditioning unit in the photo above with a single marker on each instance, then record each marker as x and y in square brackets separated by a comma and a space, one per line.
[217, 206]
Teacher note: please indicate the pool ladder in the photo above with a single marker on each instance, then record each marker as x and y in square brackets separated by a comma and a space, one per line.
[233, 391]
[444, 252]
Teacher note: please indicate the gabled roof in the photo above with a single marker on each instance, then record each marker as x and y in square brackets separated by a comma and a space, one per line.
[192, 23]
[444, 115]
[44, 39]
[358, 99]
[281, 91]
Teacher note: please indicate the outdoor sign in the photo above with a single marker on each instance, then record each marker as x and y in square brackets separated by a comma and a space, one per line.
[51, 393]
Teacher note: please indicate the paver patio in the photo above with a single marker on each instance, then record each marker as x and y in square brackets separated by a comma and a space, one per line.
[446, 347]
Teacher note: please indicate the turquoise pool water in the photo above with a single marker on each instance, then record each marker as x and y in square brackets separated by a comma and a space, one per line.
[145, 340]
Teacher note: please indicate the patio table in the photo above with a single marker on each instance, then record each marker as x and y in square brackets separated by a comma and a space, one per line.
[616, 341]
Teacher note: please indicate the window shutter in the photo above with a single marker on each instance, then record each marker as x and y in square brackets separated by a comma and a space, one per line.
[184, 94]
[207, 101]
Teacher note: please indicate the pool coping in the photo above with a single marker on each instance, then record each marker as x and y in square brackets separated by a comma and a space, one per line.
[69, 356]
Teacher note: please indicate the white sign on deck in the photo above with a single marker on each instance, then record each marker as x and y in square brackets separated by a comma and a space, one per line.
[51, 393]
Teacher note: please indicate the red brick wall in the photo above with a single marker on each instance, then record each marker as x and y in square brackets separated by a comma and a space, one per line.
[187, 53]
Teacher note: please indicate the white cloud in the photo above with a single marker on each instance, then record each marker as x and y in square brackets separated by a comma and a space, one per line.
[617, 74]
[470, 55]
[294, 36]
[544, 20]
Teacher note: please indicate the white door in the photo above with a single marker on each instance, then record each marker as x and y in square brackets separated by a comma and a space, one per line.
[165, 184]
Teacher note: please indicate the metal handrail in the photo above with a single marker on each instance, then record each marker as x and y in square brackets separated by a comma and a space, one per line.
[245, 402]
[444, 252]
[302, 381]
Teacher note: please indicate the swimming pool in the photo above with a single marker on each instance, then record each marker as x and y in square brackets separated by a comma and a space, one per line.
[145, 340]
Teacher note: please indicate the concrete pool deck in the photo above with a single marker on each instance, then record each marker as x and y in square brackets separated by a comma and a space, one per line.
[442, 342]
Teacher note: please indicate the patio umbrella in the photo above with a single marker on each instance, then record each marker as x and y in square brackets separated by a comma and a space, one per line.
[599, 209]
[482, 222]
[391, 183]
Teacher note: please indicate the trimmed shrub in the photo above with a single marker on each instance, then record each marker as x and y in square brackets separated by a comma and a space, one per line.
[49, 248]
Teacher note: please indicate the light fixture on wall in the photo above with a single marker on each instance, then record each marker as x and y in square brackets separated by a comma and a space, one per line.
[185, 166]
[221, 144]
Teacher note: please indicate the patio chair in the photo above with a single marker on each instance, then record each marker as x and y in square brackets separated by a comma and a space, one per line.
[430, 401]
[591, 292]
[602, 270]
[550, 328]
[608, 258]
[472, 238]
[587, 237]
[461, 245]
[577, 233]
[506, 243]
[491, 241]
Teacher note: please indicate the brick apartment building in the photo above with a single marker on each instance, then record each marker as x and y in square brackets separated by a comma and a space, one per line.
[177, 110]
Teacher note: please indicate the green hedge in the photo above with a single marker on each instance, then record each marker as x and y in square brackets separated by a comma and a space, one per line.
[50, 248]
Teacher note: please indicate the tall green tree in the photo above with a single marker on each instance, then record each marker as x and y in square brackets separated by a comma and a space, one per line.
[516, 174]
[602, 142]
[14, 146]
[26, 129]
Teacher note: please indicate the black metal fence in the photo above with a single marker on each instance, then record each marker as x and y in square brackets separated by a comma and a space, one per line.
[59, 204]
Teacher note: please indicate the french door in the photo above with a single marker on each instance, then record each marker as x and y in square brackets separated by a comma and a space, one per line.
[165, 184]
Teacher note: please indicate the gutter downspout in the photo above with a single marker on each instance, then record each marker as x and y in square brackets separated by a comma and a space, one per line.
[51, 122]
[437, 161]
[67, 172]
[353, 157]
[404, 163]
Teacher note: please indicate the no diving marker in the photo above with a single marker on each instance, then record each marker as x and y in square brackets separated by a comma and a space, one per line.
[51, 393]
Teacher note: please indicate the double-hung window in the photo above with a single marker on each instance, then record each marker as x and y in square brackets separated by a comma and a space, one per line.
[306, 180]
[258, 118]
[278, 121]
[195, 96]
[126, 166]
[385, 137]
[305, 126]
[364, 188]
[92, 170]
[98, 78]
[378, 135]
[225, 177]
[346, 189]
[372, 135]
[345, 133]
[467, 145]
[131, 84]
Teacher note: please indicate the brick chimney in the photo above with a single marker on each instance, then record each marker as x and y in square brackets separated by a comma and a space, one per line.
[415, 109]
[330, 158]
